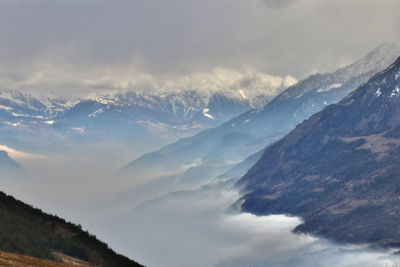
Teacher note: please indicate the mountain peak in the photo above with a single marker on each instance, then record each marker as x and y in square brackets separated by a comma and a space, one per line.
[378, 59]
[383, 86]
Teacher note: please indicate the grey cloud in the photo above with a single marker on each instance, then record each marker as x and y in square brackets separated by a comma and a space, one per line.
[277, 3]
[177, 37]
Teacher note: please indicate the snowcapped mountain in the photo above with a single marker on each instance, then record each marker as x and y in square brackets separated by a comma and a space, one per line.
[314, 93]
[143, 120]
[148, 120]
[340, 169]
[24, 105]
[195, 109]
[25, 119]
[377, 59]
[251, 131]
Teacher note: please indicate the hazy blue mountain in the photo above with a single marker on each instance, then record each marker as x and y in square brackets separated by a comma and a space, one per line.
[142, 120]
[249, 132]
[26, 120]
[154, 119]
[8, 165]
[340, 169]
[240, 169]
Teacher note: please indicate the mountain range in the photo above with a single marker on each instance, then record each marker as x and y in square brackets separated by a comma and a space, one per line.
[230, 150]
[235, 140]
[41, 123]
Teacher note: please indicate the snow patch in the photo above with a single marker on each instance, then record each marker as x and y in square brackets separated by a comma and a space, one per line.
[97, 112]
[378, 92]
[78, 129]
[14, 124]
[206, 114]
[19, 115]
[330, 87]
[247, 121]
[395, 92]
[5, 107]
[242, 94]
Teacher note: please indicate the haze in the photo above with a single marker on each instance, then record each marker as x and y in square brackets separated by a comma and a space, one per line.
[77, 48]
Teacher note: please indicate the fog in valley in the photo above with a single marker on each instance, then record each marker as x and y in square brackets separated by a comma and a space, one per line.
[136, 120]
[197, 226]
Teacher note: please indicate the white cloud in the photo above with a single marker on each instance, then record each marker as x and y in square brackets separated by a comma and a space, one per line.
[75, 82]
[193, 228]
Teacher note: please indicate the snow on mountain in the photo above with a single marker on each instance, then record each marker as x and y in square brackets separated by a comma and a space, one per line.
[19, 104]
[153, 118]
[377, 59]
[187, 111]
[186, 105]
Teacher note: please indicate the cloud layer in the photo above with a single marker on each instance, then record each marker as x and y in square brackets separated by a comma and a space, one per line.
[193, 228]
[70, 46]
[182, 228]
[77, 83]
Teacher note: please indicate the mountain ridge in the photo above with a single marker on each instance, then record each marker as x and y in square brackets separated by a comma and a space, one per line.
[261, 127]
[28, 231]
[338, 170]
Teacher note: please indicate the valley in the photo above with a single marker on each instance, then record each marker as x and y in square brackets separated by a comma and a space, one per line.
[229, 133]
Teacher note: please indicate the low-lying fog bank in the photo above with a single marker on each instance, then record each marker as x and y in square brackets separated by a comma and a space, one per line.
[181, 228]
[199, 228]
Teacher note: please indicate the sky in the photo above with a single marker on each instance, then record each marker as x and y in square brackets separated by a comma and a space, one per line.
[77, 46]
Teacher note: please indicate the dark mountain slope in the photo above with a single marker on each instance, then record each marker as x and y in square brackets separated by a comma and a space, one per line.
[29, 231]
[340, 169]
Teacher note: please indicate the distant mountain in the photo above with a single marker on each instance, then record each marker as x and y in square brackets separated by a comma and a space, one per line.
[154, 118]
[248, 133]
[338, 170]
[26, 120]
[28, 231]
[14, 105]
[8, 165]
